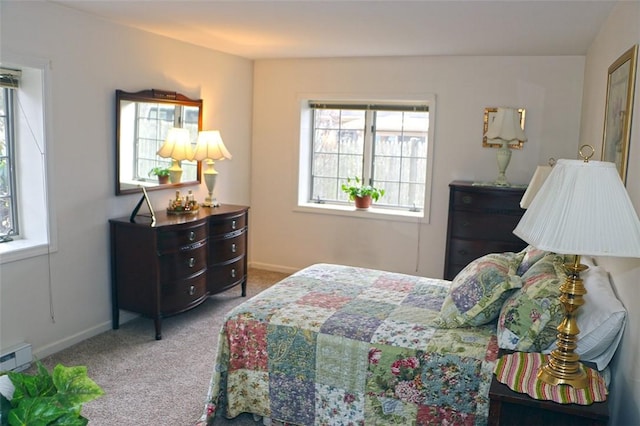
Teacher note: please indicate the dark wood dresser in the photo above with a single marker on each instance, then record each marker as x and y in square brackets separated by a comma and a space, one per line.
[481, 221]
[165, 268]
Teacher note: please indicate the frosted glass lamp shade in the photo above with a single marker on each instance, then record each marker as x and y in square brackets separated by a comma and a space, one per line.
[176, 146]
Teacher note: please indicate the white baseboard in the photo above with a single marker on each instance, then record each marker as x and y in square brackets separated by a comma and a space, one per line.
[273, 268]
[69, 341]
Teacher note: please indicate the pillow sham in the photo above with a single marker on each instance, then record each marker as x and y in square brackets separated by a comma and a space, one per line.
[601, 319]
[530, 256]
[479, 290]
[529, 317]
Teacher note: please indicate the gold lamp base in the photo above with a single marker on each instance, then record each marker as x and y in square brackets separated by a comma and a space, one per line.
[564, 367]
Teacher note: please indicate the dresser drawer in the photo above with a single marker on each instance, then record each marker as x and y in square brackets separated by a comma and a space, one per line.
[182, 237]
[484, 226]
[222, 277]
[463, 252]
[225, 249]
[178, 296]
[183, 264]
[229, 224]
[495, 201]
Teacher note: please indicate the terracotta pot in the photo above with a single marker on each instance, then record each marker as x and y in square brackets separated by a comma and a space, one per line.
[363, 202]
[162, 180]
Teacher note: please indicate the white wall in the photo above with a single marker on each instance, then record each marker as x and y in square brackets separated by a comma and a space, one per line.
[90, 59]
[621, 31]
[550, 88]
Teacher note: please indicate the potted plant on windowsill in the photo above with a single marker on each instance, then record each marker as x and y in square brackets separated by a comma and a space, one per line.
[362, 195]
[162, 173]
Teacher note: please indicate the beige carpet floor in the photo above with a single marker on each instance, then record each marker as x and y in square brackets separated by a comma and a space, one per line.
[158, 382]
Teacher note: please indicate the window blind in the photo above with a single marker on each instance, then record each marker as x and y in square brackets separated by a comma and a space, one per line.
[9, 78]
[420, 107]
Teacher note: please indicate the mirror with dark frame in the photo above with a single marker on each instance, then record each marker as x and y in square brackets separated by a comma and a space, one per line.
[143, 120]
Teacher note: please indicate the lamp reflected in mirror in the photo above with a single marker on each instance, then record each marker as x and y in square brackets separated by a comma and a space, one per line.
[505, 129]
[177, 146]
[210, 148]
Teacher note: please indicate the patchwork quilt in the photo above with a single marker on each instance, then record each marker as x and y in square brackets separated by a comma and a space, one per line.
[340, 345]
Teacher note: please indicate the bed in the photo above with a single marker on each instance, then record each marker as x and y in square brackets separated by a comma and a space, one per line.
[334, 344]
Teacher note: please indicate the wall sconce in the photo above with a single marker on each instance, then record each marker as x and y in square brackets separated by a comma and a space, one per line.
[210, 148]
[504, 128]
[176, 146]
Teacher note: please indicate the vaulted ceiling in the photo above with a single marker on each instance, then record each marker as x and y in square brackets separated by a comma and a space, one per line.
[326, 28]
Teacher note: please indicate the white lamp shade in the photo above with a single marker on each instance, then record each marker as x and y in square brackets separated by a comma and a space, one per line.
[210, 147]
[582, 208]
[505, 126]
[177, 145]
[539, 177]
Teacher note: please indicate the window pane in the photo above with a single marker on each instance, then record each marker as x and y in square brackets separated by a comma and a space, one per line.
[338, 146]
[6, 218]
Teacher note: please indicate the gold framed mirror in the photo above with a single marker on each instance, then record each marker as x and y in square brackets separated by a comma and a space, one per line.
[489, 115]
[143, 121]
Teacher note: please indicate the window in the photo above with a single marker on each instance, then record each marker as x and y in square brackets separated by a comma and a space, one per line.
[386, 144]
[24, 131]
[8, 196]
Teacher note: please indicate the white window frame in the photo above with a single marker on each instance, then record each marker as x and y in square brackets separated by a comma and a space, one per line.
[37, 234]
[305, 153]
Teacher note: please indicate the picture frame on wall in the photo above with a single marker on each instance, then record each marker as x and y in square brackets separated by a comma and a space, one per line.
[619, 110]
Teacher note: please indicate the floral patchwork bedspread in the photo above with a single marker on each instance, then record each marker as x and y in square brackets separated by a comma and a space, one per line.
[338, 345]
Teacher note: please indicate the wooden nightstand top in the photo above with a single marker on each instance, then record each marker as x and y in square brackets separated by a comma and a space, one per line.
[513, 408]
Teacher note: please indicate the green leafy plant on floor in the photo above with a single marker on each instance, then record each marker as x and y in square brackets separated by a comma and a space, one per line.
[354, 188]
[45, 399]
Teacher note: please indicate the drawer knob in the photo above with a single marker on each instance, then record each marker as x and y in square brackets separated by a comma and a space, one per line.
[192, 236]
[233, 248]
[191, 262]
[233, 224]
[192, 290]
[233, 273]
[467, 199]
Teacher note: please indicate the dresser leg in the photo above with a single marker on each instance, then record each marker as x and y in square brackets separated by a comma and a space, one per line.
[244, 288]
[158, 325]
[115, 318]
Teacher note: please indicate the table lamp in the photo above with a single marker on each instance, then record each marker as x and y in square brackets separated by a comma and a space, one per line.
[582, 208]
[210, 148]
[176, 146]
[504, 129]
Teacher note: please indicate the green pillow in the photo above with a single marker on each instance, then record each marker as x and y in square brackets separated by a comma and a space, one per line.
[529, 317]
[478, 291]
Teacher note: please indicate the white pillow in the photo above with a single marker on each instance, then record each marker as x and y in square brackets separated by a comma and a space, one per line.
[600, 320]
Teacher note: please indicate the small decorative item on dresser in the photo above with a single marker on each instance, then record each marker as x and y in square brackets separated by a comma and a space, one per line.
[183, 205]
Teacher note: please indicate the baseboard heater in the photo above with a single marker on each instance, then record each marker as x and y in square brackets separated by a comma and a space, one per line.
[16, 358]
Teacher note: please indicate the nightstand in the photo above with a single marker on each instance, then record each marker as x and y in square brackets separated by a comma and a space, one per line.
[513, 408]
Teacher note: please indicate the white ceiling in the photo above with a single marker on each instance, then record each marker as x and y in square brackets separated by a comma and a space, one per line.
[326, 28]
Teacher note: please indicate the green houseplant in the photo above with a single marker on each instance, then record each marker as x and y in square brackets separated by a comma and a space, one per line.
[361, 194]
[161, 172]
[44, 399]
